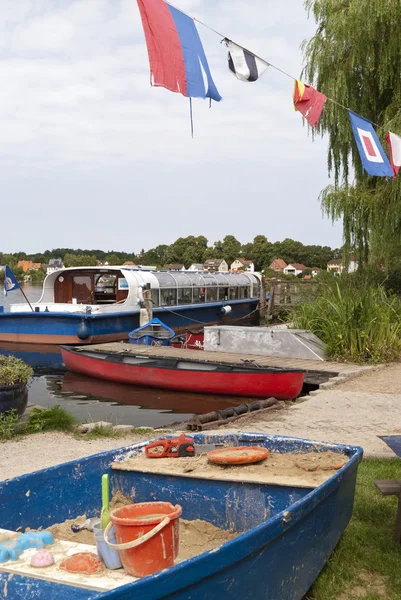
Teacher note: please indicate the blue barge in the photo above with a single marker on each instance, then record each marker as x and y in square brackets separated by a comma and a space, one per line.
[287, 533]
[88, 305]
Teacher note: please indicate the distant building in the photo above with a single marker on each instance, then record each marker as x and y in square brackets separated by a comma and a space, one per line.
[55, 264]
[294, 269]
[337, 266]
[196, 267]
[28, 265]
[243, 264]
[278, 265]
[128, 263]
[174, 267]
[315, 271]
[216, 264]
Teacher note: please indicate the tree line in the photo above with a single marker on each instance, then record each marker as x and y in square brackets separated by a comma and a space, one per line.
[188, 250]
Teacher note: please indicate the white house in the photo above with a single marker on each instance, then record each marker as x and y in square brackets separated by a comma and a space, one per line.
[294, 269]
[215, 264]
[337, 266]
[196, 267]
[55, 264]
[242, 263]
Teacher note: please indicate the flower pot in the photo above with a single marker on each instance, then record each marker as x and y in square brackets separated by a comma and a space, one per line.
[13, 397]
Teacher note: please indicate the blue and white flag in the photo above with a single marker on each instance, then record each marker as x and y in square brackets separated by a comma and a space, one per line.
[10, 281]
[373, 157]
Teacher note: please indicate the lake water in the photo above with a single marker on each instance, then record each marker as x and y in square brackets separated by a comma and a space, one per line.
[97, 400]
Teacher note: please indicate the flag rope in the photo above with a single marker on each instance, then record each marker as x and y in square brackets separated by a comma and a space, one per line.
[266, 61]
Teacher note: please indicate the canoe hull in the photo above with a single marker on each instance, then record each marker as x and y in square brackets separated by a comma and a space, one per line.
[288, 533]
[283, 385]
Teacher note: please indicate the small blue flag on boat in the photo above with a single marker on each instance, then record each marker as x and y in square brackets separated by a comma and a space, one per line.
[373, 157]
[10, 281]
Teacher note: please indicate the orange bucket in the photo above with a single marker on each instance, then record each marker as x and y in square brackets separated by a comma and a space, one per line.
[147, 536]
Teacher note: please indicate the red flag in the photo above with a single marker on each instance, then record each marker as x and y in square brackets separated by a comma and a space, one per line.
[309, 102]
[394, 146]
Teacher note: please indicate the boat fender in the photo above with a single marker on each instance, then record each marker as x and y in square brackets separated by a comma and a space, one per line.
[83, 331]
[226, 310]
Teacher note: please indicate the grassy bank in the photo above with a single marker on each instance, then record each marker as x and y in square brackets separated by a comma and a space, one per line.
[367, 562]
[42, 420]
[357, 320]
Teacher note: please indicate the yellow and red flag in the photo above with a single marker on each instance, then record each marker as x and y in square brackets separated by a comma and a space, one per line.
[309, 102]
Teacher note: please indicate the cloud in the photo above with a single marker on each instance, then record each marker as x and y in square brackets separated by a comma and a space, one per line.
[76, 105]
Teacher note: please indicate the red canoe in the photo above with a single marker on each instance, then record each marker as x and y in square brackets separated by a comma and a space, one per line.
[185, 375]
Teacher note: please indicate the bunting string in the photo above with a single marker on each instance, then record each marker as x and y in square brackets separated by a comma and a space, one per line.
[264, 60]
[178, 63]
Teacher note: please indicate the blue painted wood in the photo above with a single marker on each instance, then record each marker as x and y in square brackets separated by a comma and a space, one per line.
[68, 324]
[144, 335]
[287, 536]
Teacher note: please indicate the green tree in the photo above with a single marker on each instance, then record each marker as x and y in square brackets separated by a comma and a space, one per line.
[355, 58]
[156, 256]
[231, 249]
[260, 252]
[113, 259]
[79, 260]
[187, 250]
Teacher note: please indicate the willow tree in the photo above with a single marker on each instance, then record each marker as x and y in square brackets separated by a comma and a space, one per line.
[355, 59]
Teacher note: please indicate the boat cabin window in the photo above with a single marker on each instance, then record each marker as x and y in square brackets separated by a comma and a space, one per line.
[155, 297]
[91, 287]
[168, 297]
[105, 288]
[212, 294]
[198, 287]
[184, 295]
[198, 295]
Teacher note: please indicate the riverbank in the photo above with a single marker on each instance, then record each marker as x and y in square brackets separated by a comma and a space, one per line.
[355, 411]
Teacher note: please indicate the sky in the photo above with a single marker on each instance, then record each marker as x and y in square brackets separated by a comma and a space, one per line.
[92, 156]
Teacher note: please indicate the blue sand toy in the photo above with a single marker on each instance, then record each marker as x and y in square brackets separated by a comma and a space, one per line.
[12, 549]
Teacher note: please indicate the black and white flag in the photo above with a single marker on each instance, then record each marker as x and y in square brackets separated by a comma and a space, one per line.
[245, 65]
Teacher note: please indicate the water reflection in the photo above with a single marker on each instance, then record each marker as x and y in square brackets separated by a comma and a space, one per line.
[98, 400]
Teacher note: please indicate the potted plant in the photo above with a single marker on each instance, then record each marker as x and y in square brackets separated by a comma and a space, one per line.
[14, 376]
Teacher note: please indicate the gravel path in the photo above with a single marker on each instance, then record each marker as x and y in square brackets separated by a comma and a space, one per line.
[334, 416]
[42, 450]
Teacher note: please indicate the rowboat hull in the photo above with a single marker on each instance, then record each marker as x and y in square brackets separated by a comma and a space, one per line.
[256, 383]
[287, 533]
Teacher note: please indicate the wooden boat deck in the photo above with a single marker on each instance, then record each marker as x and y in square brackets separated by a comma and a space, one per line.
[316, 371]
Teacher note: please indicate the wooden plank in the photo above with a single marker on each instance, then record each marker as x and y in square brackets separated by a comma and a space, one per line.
[61, 549]
[389, 487]
[227, 357]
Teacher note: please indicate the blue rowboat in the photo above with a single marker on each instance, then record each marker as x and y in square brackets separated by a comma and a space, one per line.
[287, 532]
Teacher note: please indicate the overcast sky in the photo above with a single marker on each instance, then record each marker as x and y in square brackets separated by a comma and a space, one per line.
[93, 157]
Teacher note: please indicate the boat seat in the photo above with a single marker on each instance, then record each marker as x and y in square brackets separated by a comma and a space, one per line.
[392, 487]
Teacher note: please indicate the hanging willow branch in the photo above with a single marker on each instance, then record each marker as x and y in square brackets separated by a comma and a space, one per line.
[355, 58]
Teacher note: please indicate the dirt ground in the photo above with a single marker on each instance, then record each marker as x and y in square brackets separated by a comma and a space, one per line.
[383, 380]
[354, 412]
[42, 450]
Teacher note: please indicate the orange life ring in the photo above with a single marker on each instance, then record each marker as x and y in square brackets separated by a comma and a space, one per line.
[238, 455]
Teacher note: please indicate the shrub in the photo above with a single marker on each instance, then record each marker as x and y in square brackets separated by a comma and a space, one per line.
[51, 419]
[356, 320]
[14, 370]
[8, 424]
